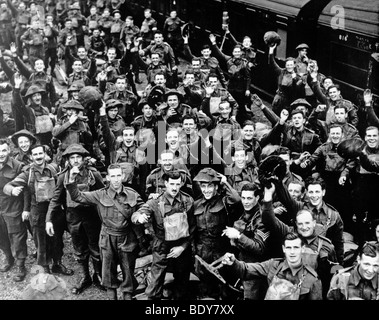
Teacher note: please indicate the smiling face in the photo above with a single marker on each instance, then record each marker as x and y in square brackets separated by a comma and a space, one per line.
[206, 53]
[172, 139]
[225, 109]
[24, 143]
[368, 266]
[248, 199]
[334, 93]
[237, 53]
[173, 186]
[111, 54]
[290, 66]
[248, 132]
[128, 137]
[38, 156]
[159, 80]
[4, 153]
[77, 66]
[335, 135]
[167, 161]
[209, 189]
[246, 43]
[341, 115]
[82, 53]
[305, 224]
[372, 138]
[315, 194]
[155, 58]
[39, 66]
[173, 101]
[240, 158]
[292, 250]
[37, 98]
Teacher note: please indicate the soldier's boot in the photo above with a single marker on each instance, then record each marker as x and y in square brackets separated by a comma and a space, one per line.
[21, 271]
[96, 277]
[60, 268]
[85, 281]
[8, 263]
[112, 294]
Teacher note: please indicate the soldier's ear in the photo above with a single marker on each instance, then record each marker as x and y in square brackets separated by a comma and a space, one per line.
[107, 177]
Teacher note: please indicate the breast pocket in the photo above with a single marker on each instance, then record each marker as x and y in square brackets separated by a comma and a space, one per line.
[107, 205]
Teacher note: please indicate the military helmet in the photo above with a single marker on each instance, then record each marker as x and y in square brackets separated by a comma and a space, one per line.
[74, 87]
[111, 103]
[34, 89]
[207, 175]
[23, 133]
[73, 104]
[75, 149]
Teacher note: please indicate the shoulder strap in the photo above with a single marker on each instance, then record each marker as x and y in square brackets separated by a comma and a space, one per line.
[30, 174]
[320, 243]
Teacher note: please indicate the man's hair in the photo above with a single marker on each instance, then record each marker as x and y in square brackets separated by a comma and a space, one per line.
[4, 141]
[158, 32]
[340, 105]
[334, 85]
[160, 73]
[305, 211]
[292, 236]
[372, 128]
[237, 147]
[189, 71]
[250, 187]
[299, 182]
[205, 46]
[129, 128]
[237, 46]
[112, 48]
[289, 59]
[370, 249]
[147, 10]
[196, 59]
[248, 123]
[130, 18]
[166, 151]
[213, 75]
[67, 19]
[189, 116]
[113, 166]
[313, 181]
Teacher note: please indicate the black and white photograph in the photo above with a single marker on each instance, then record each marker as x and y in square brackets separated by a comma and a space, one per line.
[198, 153]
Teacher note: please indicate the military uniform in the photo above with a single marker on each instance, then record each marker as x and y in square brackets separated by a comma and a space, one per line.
[128, 101]
[68, 41]
[237, 177]
[39, 183]
[348, 284]
[172, 32]
[22, 18]
[326, 216]
[311, 285]
[319, 253]
[165, 52]
[36, 117]
[212, 217]
[82, 220]
[67, 133]
[13, 233]
[158, 210]
[118, 241]
[36, 49]
[147, 31]
[5, 28]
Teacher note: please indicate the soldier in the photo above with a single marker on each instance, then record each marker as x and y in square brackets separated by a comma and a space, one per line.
[358, 282]
[115, 32]
[336, 172]
[5, 25]
[34, 38]
[193, 90]
[105, 24]
[324, 214]
[172, 32]
[68, 43]
[155, 184]
[148, 27]
[122, 92]
[78, 22]
[97, 46]
[213, 215]
[51, 33]
[92, 22]
[13, 233]
[319, 251]
[165, 51]
[37, 118]
[208, 63]
[118, 243]
[238, 75]
[171, 216]
[82, 222]
[80, 76]
[22, 17]
[110, 128]
[72, 128]
[37, 76]
[308, 284]
[173, 110]
[23, 140]
[39, 181]
[250, 237]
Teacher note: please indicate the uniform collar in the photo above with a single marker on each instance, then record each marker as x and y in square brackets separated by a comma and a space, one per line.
[355, 277]
[293, 271]
[170, 199]
[112, 192]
